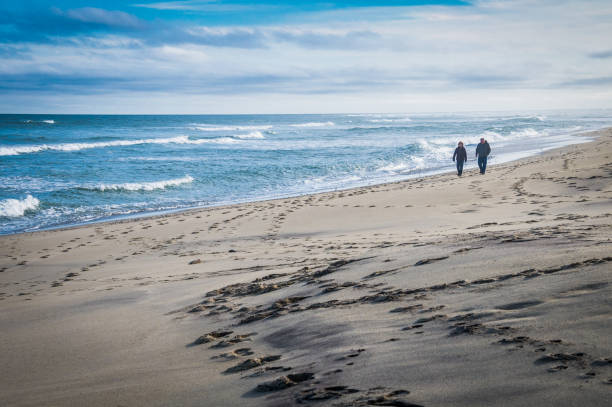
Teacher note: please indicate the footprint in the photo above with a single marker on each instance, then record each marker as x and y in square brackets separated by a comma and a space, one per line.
[428, 261]
[284, 382]
[519, 305]
[252, 363]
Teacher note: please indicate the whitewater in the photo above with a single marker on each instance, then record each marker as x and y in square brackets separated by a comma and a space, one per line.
[63, 170]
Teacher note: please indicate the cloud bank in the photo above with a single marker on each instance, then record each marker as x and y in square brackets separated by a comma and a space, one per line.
[164, 57]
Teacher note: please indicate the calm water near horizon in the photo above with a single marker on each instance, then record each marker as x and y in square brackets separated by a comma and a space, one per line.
[61, 170]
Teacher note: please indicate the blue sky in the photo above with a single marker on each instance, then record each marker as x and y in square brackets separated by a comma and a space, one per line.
[233, 56]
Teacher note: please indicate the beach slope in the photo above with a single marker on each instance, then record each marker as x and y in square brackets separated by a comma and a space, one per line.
[439, 291]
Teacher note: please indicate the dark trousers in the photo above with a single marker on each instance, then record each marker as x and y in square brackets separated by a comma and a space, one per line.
[459, 167]
[482, 164]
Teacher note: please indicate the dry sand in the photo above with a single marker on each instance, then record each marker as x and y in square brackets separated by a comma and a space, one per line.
[442, 291]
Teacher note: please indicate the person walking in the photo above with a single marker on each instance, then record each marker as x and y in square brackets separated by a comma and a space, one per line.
[461, 157]
[482, 152]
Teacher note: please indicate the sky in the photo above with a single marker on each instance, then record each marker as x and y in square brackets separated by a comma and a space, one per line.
[238, 56]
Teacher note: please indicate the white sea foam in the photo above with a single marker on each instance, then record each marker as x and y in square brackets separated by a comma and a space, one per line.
[314, 124]
[25, 149]
[171, 157]
[394, 167]
[532, 117]
[42, 121]
[326, 182]
[210, 127]
[143, 186]
[528, 132]
[493, 136]
[14, 150]
[399, 120]
[251, 135]
[17, 207]
[489, 135]
[414, 163]
[218, 140]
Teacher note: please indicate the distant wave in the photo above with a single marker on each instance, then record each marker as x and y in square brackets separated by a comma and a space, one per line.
[534, 117]
[251, 135]
[513, 135]
[41, 121]
[314, 124]
[25, 149]
[142, 186]
[381, 127]
[211, 127]
[17, 207]
[489, 135]
[401, 120]
[218, 140]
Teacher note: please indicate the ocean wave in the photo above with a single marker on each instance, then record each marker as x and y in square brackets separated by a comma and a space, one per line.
[17, 207]
[170, 157]
[25, 149]
[395, 167]
[490, 135]
[428, 155]
[330, 181]
[40, 121]
[381, 127]
[211, 127]
[409, 165]
[399, 120]
[218, 140]
[535, 117]
[142, 186]
[314, 124]
[251, 135]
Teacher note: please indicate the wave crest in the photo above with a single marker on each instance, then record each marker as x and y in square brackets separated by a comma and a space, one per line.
[399, 120]
[17, 207]
[314, 124]
[251, 135]
[24, 149]
[212, 127]
[143, 186]
[49, 121]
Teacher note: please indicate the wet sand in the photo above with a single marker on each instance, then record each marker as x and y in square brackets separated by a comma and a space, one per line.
[440, 291]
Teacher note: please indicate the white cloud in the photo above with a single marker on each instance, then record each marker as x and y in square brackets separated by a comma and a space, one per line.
[494, 55]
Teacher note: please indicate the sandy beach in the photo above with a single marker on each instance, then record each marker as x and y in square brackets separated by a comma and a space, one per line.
[491, 290]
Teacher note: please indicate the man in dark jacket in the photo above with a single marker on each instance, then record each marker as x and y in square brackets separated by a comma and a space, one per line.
[461, 156]
[482, 152]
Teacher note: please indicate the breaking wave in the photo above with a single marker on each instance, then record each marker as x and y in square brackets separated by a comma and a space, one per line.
[17, 207]
[314, 124]
[251, 135]
[210, 127]
[40, 121]
[400, 120]
[142, 186]
[25, 149]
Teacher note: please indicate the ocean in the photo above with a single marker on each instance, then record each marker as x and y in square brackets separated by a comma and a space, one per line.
[63, 170]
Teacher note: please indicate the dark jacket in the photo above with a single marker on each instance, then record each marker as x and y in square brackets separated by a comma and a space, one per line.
[483, 149]
[460, 154]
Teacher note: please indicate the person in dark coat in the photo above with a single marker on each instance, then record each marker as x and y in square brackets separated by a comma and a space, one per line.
[460, 157]
[482, 152]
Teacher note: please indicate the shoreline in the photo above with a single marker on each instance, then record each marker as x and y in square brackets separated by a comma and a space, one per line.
[164, 213]
[438, 291]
